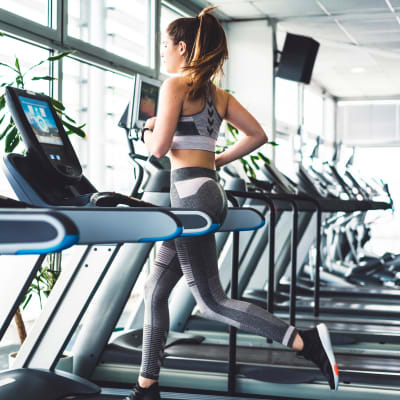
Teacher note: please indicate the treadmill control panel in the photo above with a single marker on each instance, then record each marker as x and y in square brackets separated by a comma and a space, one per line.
[43, 133]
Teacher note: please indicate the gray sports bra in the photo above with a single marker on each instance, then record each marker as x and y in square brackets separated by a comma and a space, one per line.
[198, 131]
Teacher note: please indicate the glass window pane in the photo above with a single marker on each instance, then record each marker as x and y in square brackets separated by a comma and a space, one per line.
[286, 103]
[369, 122]
[167, 16]
[329, 120]
[313, 112]
[284, 155]
[378, 162]
[121, 27]
[28, 55]
[98, 98]
[35, 10]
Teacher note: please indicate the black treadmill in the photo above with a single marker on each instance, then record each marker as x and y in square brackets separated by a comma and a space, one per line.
[38, 176]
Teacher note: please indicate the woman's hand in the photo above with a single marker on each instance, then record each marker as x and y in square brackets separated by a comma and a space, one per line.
[150, 123]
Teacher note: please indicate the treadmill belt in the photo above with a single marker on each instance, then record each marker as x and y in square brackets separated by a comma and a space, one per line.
[115, 394]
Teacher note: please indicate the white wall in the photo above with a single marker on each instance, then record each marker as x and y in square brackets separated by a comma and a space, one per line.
[249, 72]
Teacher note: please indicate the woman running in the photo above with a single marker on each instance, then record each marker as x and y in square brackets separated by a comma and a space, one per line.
[190, 113]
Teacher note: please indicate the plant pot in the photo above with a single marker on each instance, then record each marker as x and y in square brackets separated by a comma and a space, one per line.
[64, 364]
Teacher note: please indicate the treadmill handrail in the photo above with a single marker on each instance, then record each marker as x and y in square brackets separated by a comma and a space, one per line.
[106, 225]
[35, 231]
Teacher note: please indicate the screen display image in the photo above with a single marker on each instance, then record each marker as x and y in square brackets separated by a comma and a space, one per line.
[148, 101]
[41, 119]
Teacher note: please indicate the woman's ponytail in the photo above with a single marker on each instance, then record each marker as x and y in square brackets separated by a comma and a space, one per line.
[206, 46]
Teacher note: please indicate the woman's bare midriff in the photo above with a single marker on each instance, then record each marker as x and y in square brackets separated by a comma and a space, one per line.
[182, 158]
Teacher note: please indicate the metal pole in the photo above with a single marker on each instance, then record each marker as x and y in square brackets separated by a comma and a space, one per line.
[232, 329]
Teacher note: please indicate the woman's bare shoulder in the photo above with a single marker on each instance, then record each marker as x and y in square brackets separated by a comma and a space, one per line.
[176, 83]
[221, 99]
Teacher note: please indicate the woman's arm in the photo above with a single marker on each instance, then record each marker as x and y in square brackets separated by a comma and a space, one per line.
[159, 141]
[254, 137]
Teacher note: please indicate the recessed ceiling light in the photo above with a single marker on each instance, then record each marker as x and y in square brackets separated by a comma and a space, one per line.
[389, 4]
[357, 70]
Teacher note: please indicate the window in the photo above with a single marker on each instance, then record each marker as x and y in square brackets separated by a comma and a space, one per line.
[168, 15]
[35, 10]
[120, 27]
[28, 55]
[378, 162]
[313, 112]
[369, 123]
[98, 98]
[286, 103]
[284, 160]
[329, 120]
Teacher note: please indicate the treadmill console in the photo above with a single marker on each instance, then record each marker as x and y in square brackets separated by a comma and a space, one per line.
[43, 134]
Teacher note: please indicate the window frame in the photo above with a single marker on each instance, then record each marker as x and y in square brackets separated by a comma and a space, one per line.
[58, 39]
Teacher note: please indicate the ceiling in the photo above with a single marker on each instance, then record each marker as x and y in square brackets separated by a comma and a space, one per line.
[359, 54]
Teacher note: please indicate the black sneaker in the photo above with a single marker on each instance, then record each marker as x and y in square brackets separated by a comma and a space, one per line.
[138, 393]
[318, 349]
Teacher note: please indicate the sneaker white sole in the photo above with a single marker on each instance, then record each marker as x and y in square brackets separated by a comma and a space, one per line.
[327, 345]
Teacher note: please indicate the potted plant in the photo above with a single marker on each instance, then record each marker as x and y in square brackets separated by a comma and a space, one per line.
[250, 161]
[47, 274]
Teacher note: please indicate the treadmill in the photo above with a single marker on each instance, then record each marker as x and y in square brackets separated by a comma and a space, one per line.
[27, 231]
[51, 174]
[349, 328]
[200, 365]
[362, 373]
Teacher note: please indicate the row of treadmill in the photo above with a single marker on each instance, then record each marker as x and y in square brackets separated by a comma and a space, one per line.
[300, 254]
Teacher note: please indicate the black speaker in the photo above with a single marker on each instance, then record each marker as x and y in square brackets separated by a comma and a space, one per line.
[297, 58]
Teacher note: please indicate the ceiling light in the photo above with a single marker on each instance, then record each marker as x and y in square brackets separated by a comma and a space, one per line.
[357, 70]
[390, 6]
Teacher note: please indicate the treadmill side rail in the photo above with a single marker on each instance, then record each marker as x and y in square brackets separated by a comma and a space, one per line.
[31, 231]
[242, 219]
[123, 225]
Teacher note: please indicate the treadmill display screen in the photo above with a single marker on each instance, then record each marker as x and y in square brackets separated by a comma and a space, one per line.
[148, 101]
[41, 119]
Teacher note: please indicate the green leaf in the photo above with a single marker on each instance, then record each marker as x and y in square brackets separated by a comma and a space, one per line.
[232, 130]
[2, 101]
[265, 159]
[75, 129]
[7, 130]
[273, 143]
[8, 66]
[19, 81]
[17, 65]
[44, 78]
[57, 104]
[1, 34]
[2, 119]
[253, 160]
[70, 119]
[59, 56]
[12, 140]
[26, 301]
[252, 173]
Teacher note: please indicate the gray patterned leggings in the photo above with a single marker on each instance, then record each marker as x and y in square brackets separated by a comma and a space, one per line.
[196, 258]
